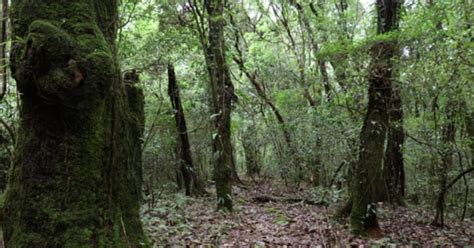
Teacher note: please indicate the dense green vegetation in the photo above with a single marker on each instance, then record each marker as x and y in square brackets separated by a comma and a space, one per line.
[349, 103]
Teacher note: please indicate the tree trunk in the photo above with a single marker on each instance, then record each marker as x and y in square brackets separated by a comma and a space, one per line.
[222, 95]
[7, 140]
[229, 89]
[470, 132]
[234, 175]
[394, 171]
[136, 102]
[71, 184]
[369, 175]
[252, 155]
[192, 184]
[449, 136]
[3, 49]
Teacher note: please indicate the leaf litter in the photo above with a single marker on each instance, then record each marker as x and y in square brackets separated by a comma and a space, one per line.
[177, 220]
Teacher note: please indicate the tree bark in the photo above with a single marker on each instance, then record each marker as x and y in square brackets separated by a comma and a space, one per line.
[3, 49]
[136, 103]
[222, 95]
[369, 174]
[394, 171]
[192, 184]
[71, 183]
[7, 139]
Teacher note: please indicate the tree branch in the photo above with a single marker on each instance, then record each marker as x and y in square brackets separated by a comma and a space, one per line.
[451, 184]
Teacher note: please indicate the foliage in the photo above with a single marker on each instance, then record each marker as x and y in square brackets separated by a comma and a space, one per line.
[278, 49]
[433, 66]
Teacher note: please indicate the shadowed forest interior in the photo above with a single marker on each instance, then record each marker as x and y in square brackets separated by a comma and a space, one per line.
[262, 123]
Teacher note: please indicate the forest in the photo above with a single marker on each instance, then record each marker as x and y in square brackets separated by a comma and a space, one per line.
[236, 123]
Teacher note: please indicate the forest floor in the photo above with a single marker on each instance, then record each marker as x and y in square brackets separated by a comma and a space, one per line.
[177, 220]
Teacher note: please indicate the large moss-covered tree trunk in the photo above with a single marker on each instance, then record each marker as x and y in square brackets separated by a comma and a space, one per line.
[368, 180]
[72, 183]
[222, 95]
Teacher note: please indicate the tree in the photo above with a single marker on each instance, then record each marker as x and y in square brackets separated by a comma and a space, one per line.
[3, 49]
[136, 102]
[252, 76]
[321, 64]
[192, 183]
[222, 92]
[72, 182]
[280, 11]
[252, 154]
[7, 139]
[447, 152]
[470, 133]
[369, 178]
[394, 169]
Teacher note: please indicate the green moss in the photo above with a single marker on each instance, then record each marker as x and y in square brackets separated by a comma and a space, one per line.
[70, 185]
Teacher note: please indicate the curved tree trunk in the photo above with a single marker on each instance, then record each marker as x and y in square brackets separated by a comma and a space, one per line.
[71, 184]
